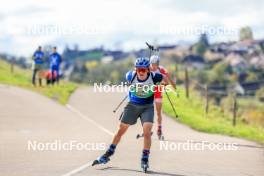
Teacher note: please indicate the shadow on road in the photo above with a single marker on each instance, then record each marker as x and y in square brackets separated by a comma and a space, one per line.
[140, 171]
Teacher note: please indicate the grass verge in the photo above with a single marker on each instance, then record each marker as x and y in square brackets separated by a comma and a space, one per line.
[192, 113]
[22, 78]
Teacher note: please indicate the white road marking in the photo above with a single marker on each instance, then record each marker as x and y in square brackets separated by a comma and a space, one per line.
[88, 119]
[79, 169]
[84, 166]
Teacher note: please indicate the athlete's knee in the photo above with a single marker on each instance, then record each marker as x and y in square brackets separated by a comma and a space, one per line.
[122, 129]
[147, 134]
[159, 114]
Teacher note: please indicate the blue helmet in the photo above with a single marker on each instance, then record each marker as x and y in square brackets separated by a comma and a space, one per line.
[142, 62]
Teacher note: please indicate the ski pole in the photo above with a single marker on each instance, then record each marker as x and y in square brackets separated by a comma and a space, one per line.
[120, 104]
[150, 46]
[150, 49]
[176, 115]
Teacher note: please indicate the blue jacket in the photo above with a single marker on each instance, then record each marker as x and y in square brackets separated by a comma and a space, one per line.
[55, 59]
[38, 57]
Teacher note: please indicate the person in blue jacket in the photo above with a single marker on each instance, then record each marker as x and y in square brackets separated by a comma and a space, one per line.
[37, 65]
[55, 61]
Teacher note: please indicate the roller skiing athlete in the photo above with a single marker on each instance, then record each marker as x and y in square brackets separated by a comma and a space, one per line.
[157, 68]
[140, 105]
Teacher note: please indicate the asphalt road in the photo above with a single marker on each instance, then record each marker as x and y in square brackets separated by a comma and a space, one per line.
[29, 118]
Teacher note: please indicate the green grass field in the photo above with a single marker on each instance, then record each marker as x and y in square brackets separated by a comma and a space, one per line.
[192, 113]
[22, 78]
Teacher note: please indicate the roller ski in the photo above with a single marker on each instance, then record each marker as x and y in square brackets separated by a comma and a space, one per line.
[141, 135]
[105, 158]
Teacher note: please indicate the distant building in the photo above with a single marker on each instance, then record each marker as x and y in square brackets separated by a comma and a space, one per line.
[257, 62]
[237, 62]
[194, 61]
[167, 47]
[250, 88]
[107, 59]
[116, 55]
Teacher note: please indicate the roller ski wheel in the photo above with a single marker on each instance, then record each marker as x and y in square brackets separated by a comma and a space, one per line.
[141, 135]
[101, 160]
[138, 136]
[161, 138]
[144, 166]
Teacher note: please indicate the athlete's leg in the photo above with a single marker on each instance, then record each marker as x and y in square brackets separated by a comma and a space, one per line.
[117, 137]
[120, 132]
[111, 149]
[147, 126]
[158, 105]
[128, 118]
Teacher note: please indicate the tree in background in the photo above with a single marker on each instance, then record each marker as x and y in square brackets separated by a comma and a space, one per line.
[218, 75]
[245, 33]
[204, 39]
[115, 76]
[200, 47]
[202, 76]
[251, 76]
[262, 47]
[260, 94]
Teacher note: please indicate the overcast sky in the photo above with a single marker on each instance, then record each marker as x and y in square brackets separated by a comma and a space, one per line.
[122, 24]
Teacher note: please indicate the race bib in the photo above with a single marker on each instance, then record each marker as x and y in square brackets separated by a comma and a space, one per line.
[142, 90]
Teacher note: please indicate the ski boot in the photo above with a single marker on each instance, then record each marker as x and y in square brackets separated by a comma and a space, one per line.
[144, 164]
[103, 159]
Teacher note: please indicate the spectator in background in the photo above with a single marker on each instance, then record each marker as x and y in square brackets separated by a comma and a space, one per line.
[49, 78]
[37, 65]
[55, 61]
